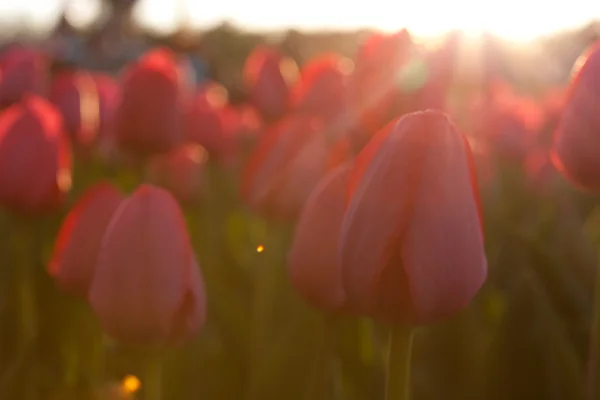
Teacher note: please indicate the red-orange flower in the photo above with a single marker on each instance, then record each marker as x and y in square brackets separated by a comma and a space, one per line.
[313, 258]
[321, 90]
[76, 95]
[411, 247]
[209, 122]
[374, 86]
[147, 287]
[24, 70]
[269, 75]
[576, 144]
[150, 116]
[78, 242]
[285, 166]
[35, 157]
[181, 171]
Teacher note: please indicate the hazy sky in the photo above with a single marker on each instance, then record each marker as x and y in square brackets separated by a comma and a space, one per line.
[513, 19]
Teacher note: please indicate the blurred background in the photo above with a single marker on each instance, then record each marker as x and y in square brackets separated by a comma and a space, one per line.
[524, 337]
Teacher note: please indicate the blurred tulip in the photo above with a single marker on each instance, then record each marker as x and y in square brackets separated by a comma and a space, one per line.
[412, 241]
[75, 94]
[340, 153]
[313, 258]
[78, 242]
[439, 74]
[248, 125]
[150, 116]
[35, 157]
[269, 76]
[284, 167]
[321, 90]
[575, 150]
[147, 287]
[510, 126]
[181, 171]
[210, 123]
[539, 169]
[374, 86]
[109, 94]
[24, 70]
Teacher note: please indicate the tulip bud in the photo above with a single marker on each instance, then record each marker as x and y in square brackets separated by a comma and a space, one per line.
[79, 238]
[411, 246]
[181, 171]
[75, 94]
[575, 153]
[313, 258]
[109, 94]
[35, 157]
[321, 89]
[149, 119]
[23, 71]
[374, 87]
[208, 122]
[284, 168]
[269, 76]
[147, 287]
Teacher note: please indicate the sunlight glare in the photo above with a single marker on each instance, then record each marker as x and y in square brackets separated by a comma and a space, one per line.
[514, 20]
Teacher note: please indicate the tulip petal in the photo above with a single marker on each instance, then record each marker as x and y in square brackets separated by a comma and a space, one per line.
[313, 257]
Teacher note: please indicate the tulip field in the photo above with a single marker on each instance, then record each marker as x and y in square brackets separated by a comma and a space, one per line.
[356, 228]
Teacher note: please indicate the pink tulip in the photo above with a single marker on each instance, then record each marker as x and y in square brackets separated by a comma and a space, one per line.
[24, 70]
[269, 76]
[284, 167]
[209, 122]
[321, 90]
[150, 116]
[147, 287]
[313, 258]
[411, 242]
[576, 143]
[35, 157]
[539, 170]
[181, 171]
[109, 93]
[79, 238]
[76, 95]
[373, 89]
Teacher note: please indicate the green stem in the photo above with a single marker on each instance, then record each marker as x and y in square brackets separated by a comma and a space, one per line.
[399, 358]
[267, 271]
[27, 309]
[153, 377]
[321, 380]
[25, 285]
[593, 370]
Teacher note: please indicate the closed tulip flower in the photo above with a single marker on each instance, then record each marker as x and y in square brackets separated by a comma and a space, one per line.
[76, 96]
[411, 245]
[79, 238]
[208, 122]
[35, 157]
[575, 149]
[375, 84]
[321, 89]
[284, 167]
[269, 77]
[109, 93]
[147, 287]
[149, 119]
[181, 171]
[313, 258]
[24, 70]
